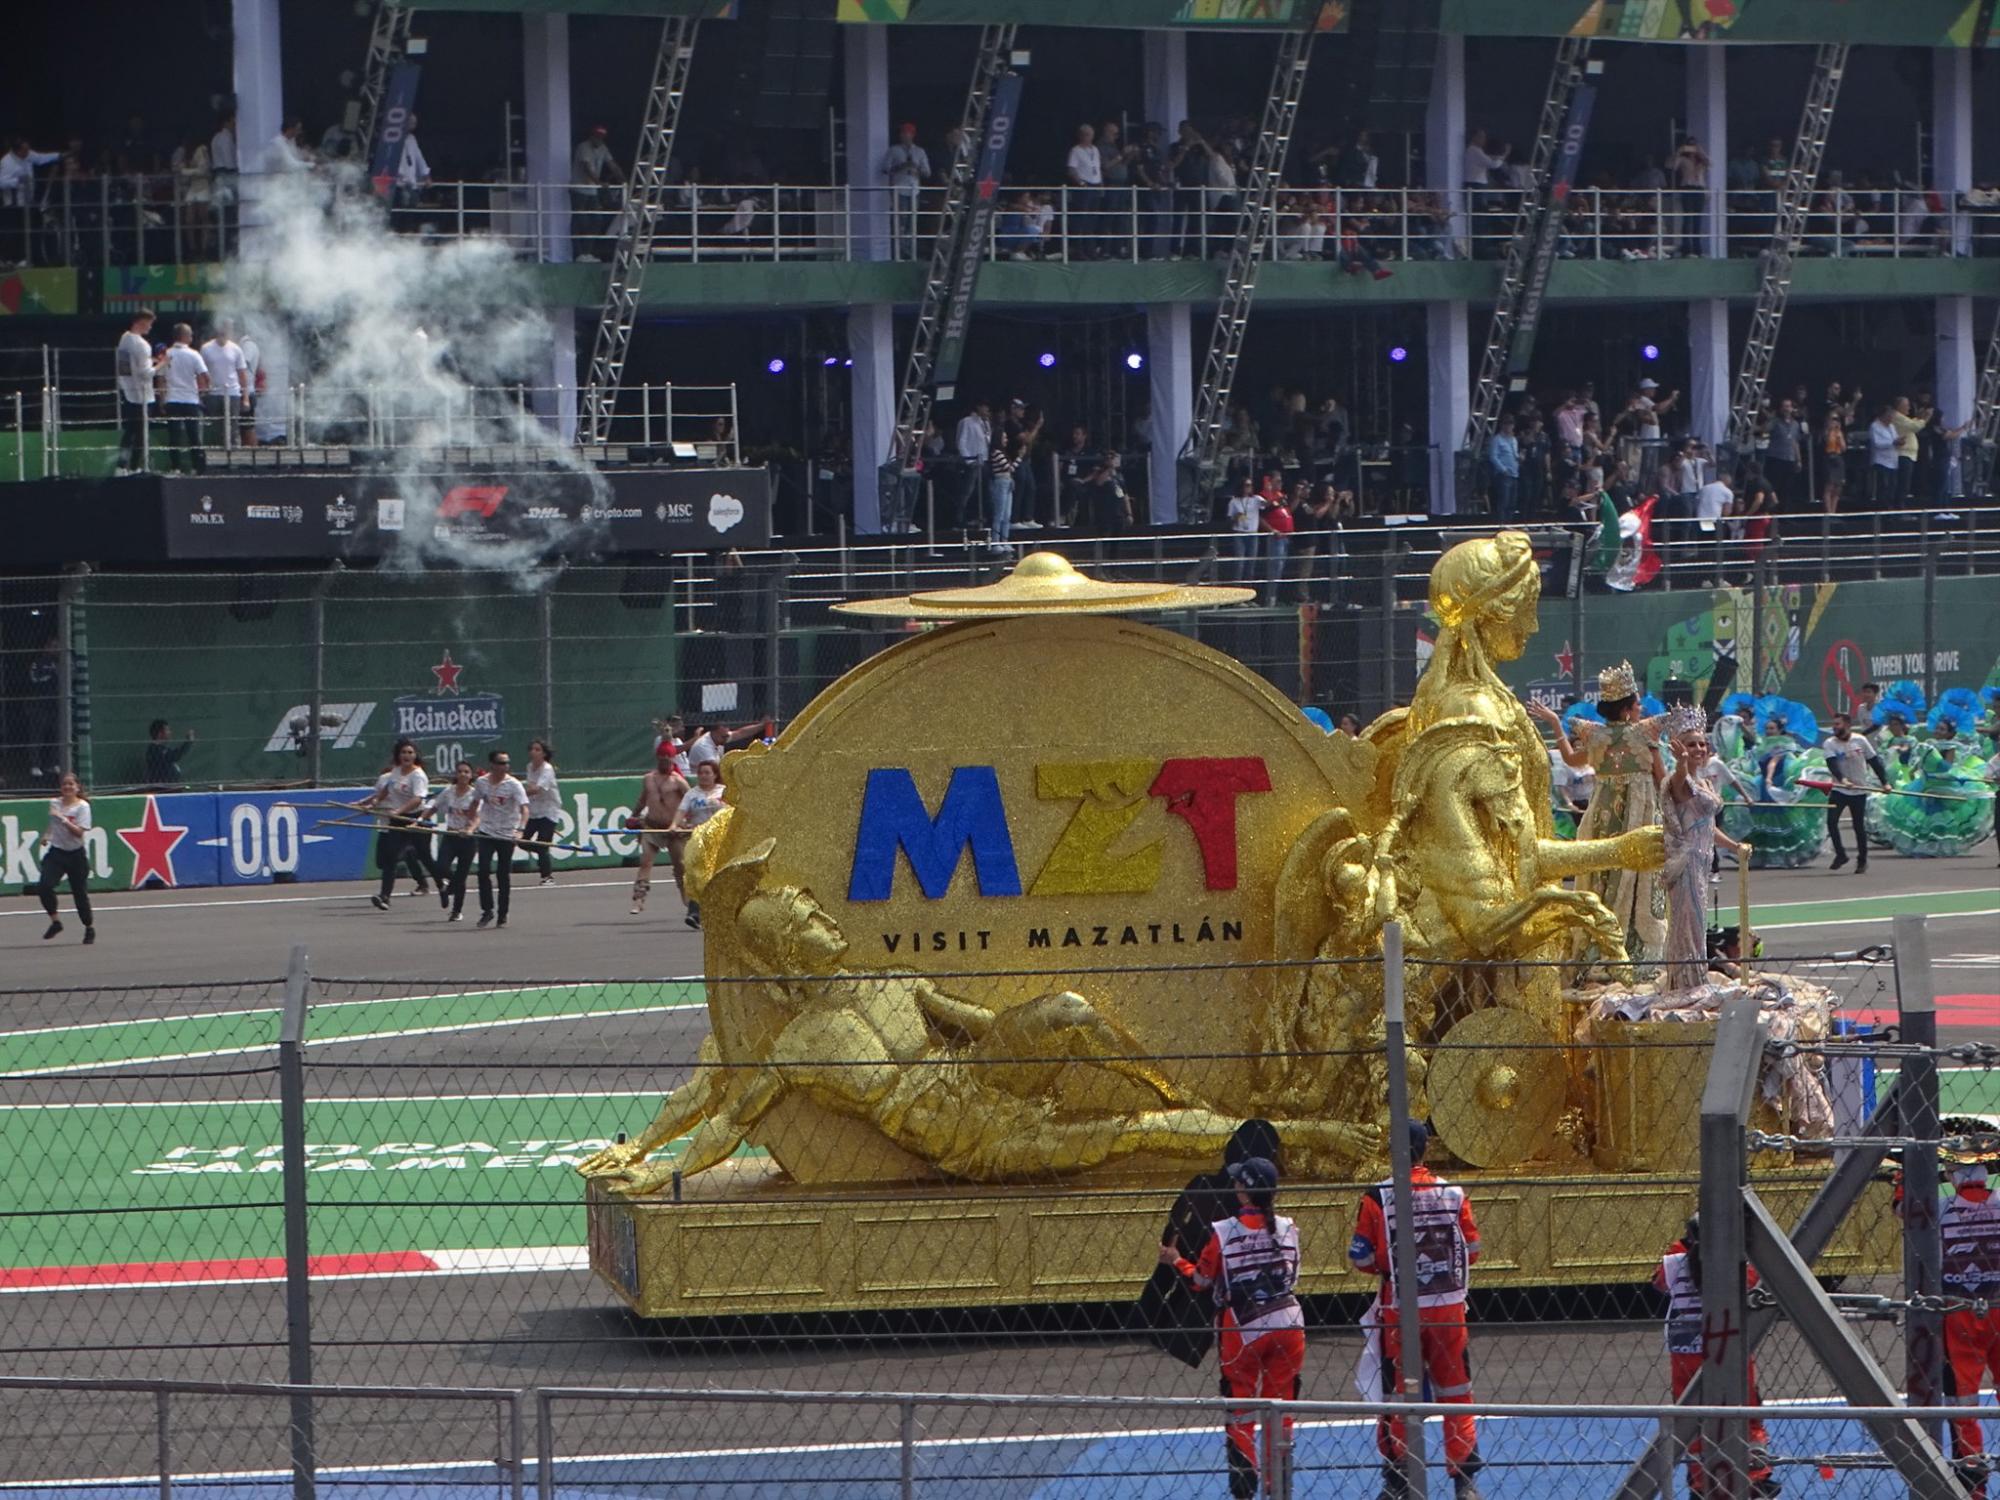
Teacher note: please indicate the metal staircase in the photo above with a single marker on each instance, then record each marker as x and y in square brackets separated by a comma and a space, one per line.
[949, 253]
[1254, 222]
[1774, 266]
[1489, 391]
[387, 41]
[644, 196]
[1986, 408]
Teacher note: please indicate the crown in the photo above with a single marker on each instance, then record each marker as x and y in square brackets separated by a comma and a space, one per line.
[1617, 682]
[1685, 719]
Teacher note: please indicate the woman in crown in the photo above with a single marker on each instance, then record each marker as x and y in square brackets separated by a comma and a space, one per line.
[1688, 808]
[1624, 751]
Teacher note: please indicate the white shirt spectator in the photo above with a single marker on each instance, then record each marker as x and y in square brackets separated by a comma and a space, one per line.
[222, 150]
[702, 747]
[1221, 179]
[544, 796]
[185, 371]
[1713, 503]
[17, 176]
[412, 170]
[1246, 513]
[135, 369]
[225, 366]
[1086, 165]
[1882, 445]
[282, 156]
[1478, 165]
[906, 167]
[975, 438]
[591, 161]
[60, 837]
[503, 807]
[1649, 419]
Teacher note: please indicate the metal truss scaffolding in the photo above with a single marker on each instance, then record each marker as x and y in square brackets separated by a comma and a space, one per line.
[644, 196]
[948, 250]
[1986, 410]
[1774, 266]
[1489, 391]
[387, 42]
[1239, 283]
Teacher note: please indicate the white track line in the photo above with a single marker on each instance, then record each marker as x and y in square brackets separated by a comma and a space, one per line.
[104, 903]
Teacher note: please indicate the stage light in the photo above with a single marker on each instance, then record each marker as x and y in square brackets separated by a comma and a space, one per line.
[1398, 354]
[1649, 351]
[831, 360]
[1135, 361]
[1046, 361]
[848, 363]
[776, 367]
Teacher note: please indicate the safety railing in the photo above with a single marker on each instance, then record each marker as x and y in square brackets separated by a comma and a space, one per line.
[261, 1440]
[168, 220]
[73, 429]
[909, 1444]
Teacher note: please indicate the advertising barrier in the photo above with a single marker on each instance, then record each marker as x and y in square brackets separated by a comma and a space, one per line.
[174, 840]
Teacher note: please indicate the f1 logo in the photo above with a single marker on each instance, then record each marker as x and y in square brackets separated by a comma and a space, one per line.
[471, 500]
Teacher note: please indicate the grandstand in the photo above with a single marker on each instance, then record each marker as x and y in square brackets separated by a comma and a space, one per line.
[593, 353]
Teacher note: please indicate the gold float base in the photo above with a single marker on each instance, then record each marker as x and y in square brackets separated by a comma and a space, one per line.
[745, 1240]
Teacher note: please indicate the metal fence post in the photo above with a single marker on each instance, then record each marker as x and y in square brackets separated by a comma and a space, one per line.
[545, 1447]
[1577, 613]
[298, 1285]
[1388, 628]
[1725, 1109]
[548, 619]
[1402, 1236]
[1923, 1269]
[1930, 617]
[316, 643]
[907, 1446]
[164, 1448]
[1757, 583]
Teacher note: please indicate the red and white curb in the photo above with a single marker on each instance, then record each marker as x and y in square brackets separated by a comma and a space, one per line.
[372, 1266]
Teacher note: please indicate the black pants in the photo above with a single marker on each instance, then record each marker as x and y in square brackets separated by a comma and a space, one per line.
[545, 830]
[496, 860]
[184, 436]
[70, 864]
[394, 847]
[131, 434]
[459, 849]
[1854, 805]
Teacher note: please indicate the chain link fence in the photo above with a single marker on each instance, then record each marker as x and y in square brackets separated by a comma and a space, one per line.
[435, 1207]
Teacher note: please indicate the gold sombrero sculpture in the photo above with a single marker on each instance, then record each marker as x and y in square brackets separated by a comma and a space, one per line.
[1046, 584]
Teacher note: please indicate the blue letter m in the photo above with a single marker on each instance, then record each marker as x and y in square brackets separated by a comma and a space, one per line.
[893, 816]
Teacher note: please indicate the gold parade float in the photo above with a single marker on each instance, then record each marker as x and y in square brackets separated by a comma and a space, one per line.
[1017, 921]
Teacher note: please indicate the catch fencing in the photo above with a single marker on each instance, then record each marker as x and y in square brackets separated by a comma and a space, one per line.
[369, 1182]
[301, 678]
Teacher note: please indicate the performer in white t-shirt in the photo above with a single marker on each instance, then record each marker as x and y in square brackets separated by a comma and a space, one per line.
[503, 808]
[703, 801]
[65, 856]
[544, 805]
[398, 800]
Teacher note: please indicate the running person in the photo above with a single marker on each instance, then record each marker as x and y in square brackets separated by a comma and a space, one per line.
[1251, 1266]
[399, 797]
[703, 801]
[65, 856]
[660, 797]
[458, 806]
[544, 804]
[501, 806]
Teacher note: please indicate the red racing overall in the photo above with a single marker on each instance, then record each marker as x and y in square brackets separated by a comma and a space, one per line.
[1447, 1244]
[1252, 1271]
[1969, 1225]
[1687, 1349]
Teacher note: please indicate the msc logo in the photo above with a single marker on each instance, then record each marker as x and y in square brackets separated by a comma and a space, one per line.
[471, 500]
[1110, 795]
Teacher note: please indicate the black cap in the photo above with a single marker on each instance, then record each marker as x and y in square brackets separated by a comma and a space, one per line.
[1254, 1175]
